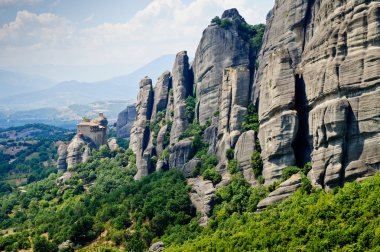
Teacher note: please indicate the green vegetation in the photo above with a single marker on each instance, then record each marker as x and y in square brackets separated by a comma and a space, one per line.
[212, 175]
[345, 220]
[251, 33]
[251, 120]
[233, 166]
[27, 153]
[230, 153]
[289, 171]
[102, 196]
[257, 164]
[190, 108]
[224, 23]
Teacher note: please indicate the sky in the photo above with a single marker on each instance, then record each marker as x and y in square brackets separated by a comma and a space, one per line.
[116, 36]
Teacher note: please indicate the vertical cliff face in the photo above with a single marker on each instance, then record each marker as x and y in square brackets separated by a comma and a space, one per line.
[182, 88]
[125, 121]
[318, 85]
[140, 133]
[161, 94]
[234, 100]
[219, 48]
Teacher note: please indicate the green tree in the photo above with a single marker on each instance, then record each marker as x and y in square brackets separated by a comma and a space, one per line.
[41, 244]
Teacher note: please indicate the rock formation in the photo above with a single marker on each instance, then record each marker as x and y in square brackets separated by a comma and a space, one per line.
[125, 121]
[201, 197]
[112, 144]
[182, 88]
[244, 148]
[78, 150]
[234, 100]
[140, 133]
[283, 192]
[161, 94]
[157, 247]
[62, 155]
[318, 89]
[219, 48]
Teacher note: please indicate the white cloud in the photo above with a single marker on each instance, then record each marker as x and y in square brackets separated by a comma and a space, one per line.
[7, 3]
[162, 27]
[30, 29]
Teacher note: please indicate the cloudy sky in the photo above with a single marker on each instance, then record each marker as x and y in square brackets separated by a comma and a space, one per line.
[120, 35]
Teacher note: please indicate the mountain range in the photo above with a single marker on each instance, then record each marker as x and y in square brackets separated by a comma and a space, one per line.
[38, 92]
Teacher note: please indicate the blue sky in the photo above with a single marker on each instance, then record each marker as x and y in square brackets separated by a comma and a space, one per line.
[120, 35]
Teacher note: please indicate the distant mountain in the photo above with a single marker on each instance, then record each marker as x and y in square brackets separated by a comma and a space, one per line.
[73, 92]
[13, 83]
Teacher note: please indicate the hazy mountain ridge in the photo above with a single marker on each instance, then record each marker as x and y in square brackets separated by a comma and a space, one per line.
[67, 93]
[13, 83]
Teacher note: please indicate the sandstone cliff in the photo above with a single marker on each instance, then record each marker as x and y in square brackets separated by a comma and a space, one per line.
[318, 90]
[125, 120]
[77, 151]
[140, 133]
[219, 48]
[315, 84]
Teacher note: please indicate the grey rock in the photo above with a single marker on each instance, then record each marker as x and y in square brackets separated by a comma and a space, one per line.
[64, 178]
[140, 133]
[112, 144]
[66, 246]
[201, 196]
[78, 150]
[125, 120]
[284, 191]
[324, 66]
[328, 128]
[62, 155]
[244, 148]
[161, 94]
[157, 247]
[182, 88]
[234, 100]
[276, 137]
[190, 166]
[180, 154]
[161, 140]
[210, 136]
[218, 49]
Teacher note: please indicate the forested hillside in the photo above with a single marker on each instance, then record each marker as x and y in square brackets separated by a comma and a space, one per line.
[28, 153]
[103, 207]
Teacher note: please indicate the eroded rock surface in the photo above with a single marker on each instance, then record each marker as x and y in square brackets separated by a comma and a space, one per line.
[234, 100]
[201, 197]
[320, 67]
[244, 148]
[62, 155]
[161, 94]
[79, 150]
[182, 88]
[284, 191]
[125, 121]
[180, 154]
[218, 49]
[140, 133]
[157, 247]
